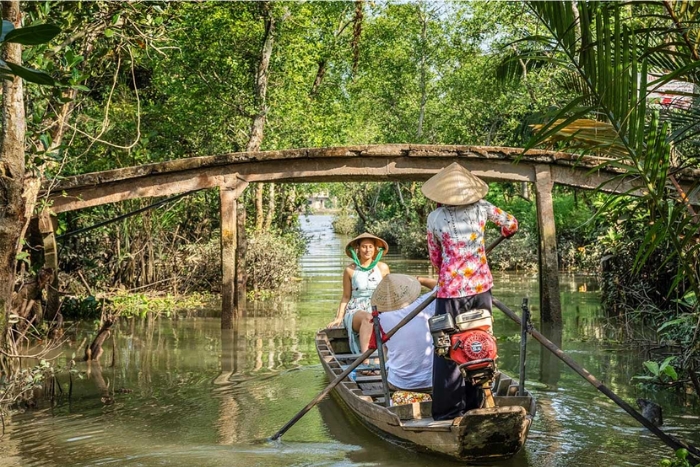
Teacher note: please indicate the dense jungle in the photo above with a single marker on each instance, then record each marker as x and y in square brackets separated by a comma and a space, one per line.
[93, 86]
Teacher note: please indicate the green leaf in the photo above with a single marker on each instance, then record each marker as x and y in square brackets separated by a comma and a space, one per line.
[45, 140]
[32, 35]
[109, 33]
[653, 367]
[645, 378]
[670, 323]
[7, 27]
[31, 75]
[671, 372]
[665, 363]
[23, 256]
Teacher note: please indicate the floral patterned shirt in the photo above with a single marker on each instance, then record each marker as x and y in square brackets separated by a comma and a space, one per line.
[456, 246]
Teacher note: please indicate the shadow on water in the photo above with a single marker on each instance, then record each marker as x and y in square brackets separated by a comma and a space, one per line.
[184, 393]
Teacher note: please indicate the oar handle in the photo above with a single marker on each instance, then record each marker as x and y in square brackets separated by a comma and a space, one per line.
[670, 441]
[495, 243]
[349, 369]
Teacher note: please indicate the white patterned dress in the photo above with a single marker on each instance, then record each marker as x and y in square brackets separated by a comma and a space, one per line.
[363, 285]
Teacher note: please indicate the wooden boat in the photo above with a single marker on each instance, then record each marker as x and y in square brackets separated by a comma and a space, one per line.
[481, 435]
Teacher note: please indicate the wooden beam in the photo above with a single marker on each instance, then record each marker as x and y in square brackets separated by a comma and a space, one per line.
[239, 301]
[362, 163]
[228, 196]
[46, 228]
[550, 301]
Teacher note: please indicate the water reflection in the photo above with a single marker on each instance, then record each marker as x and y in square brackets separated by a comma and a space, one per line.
[183, 392]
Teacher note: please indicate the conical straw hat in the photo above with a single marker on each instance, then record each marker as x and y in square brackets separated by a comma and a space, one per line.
[355, 242]
[395, 291]
[455, 185]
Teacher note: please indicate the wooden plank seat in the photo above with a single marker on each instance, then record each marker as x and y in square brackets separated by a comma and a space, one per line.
[368, 379]
[364, 367]
[427, 424]
[353, 356]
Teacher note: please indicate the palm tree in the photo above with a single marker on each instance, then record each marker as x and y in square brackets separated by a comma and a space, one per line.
[616, 54]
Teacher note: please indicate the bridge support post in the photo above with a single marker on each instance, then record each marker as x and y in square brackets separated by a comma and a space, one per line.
[46, 229]
[550, 301]
[239, 301]
[230, 307]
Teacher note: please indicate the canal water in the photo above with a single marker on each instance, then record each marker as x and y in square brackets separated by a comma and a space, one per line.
[180, 392]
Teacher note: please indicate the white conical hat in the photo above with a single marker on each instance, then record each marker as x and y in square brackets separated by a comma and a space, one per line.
[395, 291]
[455, 185]
[378, 242]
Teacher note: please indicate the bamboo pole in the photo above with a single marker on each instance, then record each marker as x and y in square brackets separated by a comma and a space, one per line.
[380, 351]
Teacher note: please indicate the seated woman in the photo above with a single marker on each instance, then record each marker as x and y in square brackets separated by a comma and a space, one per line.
[359, 281]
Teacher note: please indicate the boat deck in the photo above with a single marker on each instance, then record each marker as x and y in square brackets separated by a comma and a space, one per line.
[418, 418]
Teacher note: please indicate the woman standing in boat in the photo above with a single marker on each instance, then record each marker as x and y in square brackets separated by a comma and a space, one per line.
[359, 281]
[456, 246]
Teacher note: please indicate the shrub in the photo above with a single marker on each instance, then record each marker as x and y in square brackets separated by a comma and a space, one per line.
[413, 241]
[344, 224]
[272, 260]
[518, 253]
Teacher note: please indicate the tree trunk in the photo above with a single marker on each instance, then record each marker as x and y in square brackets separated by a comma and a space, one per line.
[258, 124]
[356, 34]
[423, 71]
[320, 73]
[259, 210]
[13, 205]
[270, 207]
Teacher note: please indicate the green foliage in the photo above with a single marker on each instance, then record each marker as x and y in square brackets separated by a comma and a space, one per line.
[81, 308]
[30, 35]
[140, 305]
[272, 261]
[344, 223]
[614, 55]
[18, 386]
[412, 241]
[662, 373]
[680, 460]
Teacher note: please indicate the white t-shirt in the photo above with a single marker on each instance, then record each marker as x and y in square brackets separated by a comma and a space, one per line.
[410, 350]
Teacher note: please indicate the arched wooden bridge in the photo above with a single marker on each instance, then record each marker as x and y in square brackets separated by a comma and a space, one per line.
[233, 172]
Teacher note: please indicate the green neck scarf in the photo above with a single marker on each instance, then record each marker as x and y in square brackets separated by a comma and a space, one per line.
[371, 266]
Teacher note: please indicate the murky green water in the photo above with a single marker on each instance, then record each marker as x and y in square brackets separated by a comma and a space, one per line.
[181, 393]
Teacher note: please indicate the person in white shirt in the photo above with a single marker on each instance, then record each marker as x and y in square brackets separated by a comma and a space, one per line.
[410, 350]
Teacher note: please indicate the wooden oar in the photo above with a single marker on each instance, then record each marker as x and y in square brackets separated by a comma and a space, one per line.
[671, 441]
[350, 368]
[364, 356]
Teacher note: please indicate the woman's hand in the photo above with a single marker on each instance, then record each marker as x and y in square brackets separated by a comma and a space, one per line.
[336, 323]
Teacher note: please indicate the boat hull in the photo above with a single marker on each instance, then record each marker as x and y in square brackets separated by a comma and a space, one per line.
[481, 435]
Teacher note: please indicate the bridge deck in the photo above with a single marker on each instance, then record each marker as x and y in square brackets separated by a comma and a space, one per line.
[360, 163]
